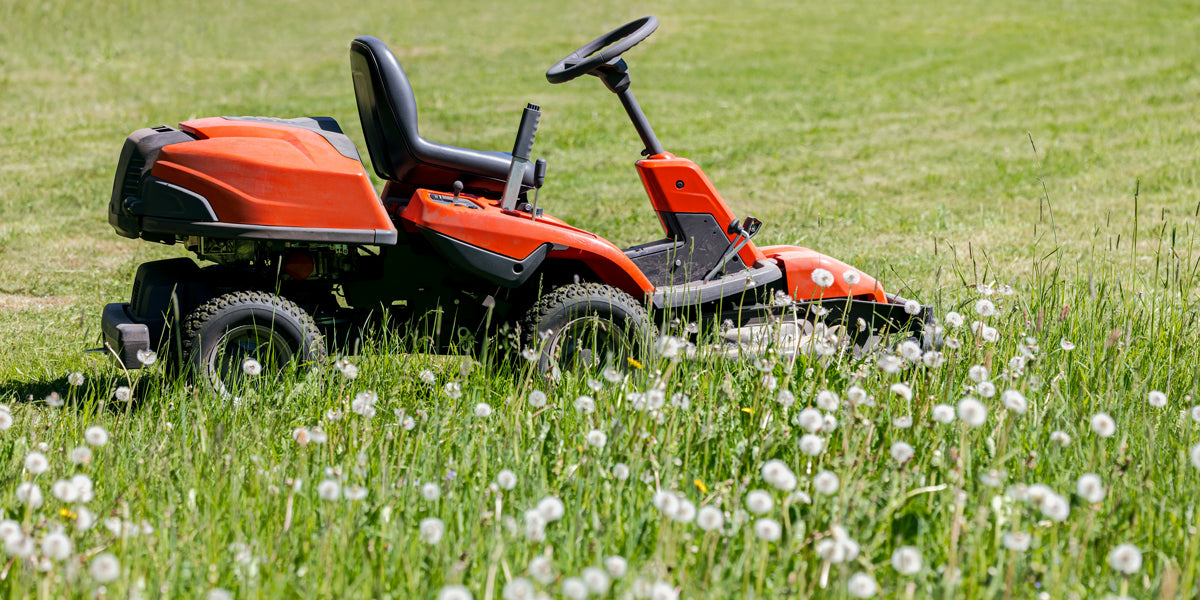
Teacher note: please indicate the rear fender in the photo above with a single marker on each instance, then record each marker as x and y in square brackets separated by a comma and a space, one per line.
[799, 263]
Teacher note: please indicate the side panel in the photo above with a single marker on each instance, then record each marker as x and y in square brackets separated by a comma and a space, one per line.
[261, 173]
[482, 223]
[799, 264]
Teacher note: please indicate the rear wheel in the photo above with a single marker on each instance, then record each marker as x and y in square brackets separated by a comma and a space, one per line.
[585, 327]
[225, 333]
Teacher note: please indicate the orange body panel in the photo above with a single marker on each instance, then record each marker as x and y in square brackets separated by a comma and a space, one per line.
[799, 263]
[516, 235]
[662, 175]
[268, 174]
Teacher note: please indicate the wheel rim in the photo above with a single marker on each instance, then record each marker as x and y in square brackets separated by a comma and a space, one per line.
[588, 343]
[260, 342]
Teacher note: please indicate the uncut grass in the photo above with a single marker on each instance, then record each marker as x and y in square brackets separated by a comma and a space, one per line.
[218, 494]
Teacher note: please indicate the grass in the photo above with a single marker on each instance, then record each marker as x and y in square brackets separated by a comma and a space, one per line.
[1047, 146]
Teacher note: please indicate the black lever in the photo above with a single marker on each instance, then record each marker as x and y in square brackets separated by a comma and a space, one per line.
[520, 155]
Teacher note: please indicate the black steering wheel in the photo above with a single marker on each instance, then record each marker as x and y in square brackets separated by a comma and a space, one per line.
[601, 50]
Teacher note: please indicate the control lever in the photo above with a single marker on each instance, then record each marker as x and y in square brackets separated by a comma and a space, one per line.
[745, 230]
[520, 155]
[539, 178]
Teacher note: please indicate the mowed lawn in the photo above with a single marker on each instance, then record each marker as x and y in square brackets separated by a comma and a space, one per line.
[1047, 150]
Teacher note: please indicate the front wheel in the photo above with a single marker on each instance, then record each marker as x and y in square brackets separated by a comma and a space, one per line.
[225, 333]
[585, 327]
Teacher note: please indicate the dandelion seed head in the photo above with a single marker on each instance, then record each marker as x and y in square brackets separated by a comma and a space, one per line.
[1055, 507]
[431, 530]
[1017, 541]
[146, 357]
[506, 479]
[354, 493]
[861, 585]
[933, 359]
[251, 367]
[596, 438]
[989, 334]
[620, 471]
[573, 588]
[902, 452]
[986, 389]
[1090, 487]
[890, 364]
[431, 491]
[856, 395]
[912, 307]
[825, 482]
[907, 560]
[828, 401]
[985, 308]
[710, 518]
[483, 410]
[1060, 437]
[57, 546]
[1195, 452]
[979, 373]
[851, 277]
[1157, 399]
[777, 473]
[519, 588]
[75, 379]
[902, 390]
[551, 508]
[452, 390]
[662, 590]
[36, 463]
[767, 529]
[329, 489]
[585, 405]
[1014, 401]
[785, 398]
[811, 420]
[943, 413]
[541, 569]
[1125, 558]
[759, 502]
[972, 412]
[455, 592]
[617, 566]
[812, 444]
[1103, 425]
[822, 278]
[596, 580]
[123, 394]
[953, 320]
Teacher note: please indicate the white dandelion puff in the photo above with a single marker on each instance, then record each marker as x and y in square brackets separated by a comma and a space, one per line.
[767, 529]
[1125, 558]
[972, 412]
[573, 588]
[617, 566]
[710, 518]
[483, 410]
[431, 491]
[811, 444]
[776, 473]
[431, 530]
[1157, 399]
[985, 308]
[822, 278]
[506, 479]
[1066, 345]
[1103, 425]
[537, 398]
[251, 367]
[759, 502]
[811, 420]
[1055, 507]
[585, 405]
[29, 494]
[902, 452]
[427, 377]
[943, 413]
[123, 394]
[620, 471]
[826, 482]
[354, 493]
[452, 390]
[57, 546]
[1060, 437]
[105, 567]
[953, 320]
[75, 379]
[1014, 401]
[851, 277]
[862, 585]
[519, 589]
[1196, 456]
[36, 463]
[329, 489]
[912, 307]
[1017, 541]
[1090, 487]
[96, 435]
[979, 373]
[597, 438]
[455, 592]
[828, 401]
[902, 390]
[551, 508]
[907, 560]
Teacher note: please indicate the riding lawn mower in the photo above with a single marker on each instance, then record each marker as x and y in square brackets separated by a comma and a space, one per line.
[300, 251]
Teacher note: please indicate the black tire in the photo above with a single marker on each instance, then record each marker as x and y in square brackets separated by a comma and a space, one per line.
[223, 332]
[585, 326]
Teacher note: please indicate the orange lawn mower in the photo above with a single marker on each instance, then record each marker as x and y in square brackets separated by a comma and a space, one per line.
[303, 252]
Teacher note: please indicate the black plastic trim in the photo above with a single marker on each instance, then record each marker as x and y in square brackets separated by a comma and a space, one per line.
[377, 237]
[166, 200]
[497, 268]
[124, 334]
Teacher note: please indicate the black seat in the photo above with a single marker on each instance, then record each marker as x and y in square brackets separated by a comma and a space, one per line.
[388, 111]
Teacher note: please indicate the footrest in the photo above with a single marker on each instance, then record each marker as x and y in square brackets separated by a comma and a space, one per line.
[124, 335]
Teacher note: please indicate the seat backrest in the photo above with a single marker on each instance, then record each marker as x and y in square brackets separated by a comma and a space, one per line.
[386, 107]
